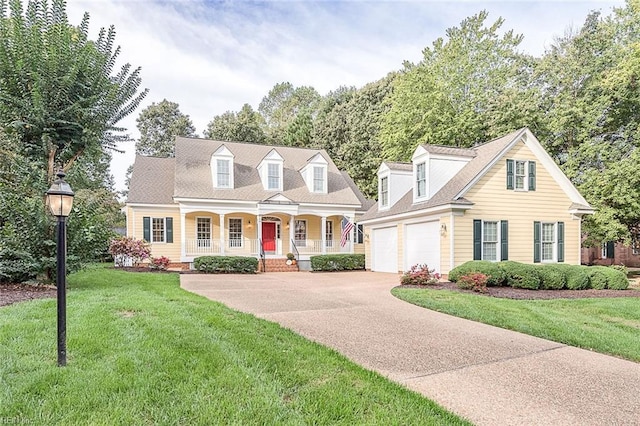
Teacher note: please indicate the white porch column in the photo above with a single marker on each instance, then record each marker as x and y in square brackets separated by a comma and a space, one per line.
[292, 231]
[323, 234]
[222, 234]
[352, 239]
[259, 230]
[183, 236]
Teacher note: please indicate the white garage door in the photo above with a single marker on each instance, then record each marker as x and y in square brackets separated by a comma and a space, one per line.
[422, 245]
[385, 250]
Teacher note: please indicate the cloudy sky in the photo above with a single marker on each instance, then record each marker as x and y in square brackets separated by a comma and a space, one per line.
[214, 56]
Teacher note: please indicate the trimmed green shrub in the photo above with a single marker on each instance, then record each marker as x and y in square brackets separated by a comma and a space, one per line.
[226, 264]
[495, 274]
[597, 277]
[16, 266]
[551, 277]
[337, 262]
[521, 275]
[577, 277]
[616, 278]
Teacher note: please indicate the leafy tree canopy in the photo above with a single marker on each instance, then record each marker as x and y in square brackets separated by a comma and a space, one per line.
[159, 124]
[244, 126]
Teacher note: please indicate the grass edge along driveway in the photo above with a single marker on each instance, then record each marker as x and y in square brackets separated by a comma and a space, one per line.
[143, 351]
[606, 325]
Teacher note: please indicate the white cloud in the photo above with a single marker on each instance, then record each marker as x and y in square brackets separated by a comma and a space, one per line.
[211, 57]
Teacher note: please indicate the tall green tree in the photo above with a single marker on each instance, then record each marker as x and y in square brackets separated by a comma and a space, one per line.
[450, 97]
[281, 107]
[159, 124]
[58, 89]
[246, 125]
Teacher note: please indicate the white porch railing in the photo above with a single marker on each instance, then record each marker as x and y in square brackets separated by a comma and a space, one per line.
[315, 246]
[251, 247]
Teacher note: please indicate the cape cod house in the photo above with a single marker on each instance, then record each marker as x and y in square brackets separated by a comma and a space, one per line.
[242, 199]
[503, 200]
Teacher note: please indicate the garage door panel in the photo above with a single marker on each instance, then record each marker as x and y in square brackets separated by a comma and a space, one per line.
[385, 250]
[422, 245]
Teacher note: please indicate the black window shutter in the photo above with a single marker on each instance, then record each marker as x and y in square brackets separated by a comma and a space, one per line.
[537, 247]
[610, 249]
[532, 175]
[504, 240]
[169, 225]
[146, 228]
[560, 241]
[477, 239]
[509, 174]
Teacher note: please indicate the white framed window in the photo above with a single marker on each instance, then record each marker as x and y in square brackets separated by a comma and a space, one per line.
[328, 235]
[223, 173]
[273, 176]
[421, 180]
[203, 231]
[158, 230]
[521, 175]
[384, 191]
[300, 232]
[548, 242]
[318, 179]
[360, 234]
[490, 247]
[235, 232]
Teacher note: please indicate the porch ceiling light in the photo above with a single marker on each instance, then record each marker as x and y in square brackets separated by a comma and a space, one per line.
[60, 196]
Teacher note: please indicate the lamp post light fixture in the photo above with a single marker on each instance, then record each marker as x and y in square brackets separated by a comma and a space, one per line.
[60, 200]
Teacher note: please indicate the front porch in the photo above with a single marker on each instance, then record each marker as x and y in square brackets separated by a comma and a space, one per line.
[206, 233]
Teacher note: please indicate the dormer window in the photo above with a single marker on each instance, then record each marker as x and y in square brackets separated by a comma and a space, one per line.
[318, 179]
[421, 180]
[271, 171]
[384, 191]
[223, 174]
[273, 177]
[315, 174]
[222, 168]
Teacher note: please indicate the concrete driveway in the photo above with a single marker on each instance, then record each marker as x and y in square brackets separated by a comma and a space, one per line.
[486, 374]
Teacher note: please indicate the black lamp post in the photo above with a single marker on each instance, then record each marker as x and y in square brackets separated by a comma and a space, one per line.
[60, 200]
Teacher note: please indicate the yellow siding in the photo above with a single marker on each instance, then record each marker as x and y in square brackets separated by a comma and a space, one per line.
[367, 247]
[445, 243]
[135, 229]
[492, 201]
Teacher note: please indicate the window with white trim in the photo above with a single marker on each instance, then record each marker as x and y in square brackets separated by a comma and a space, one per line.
[328, 235]
[273, 176]
[360, 234]
[223, 174]
[203, 231]
[235, 232]
[157, 230]
[521, 175]
[490, 241]
[300, 232]
[318, 179]
[421, 180]
[384, 191]
[548, 242]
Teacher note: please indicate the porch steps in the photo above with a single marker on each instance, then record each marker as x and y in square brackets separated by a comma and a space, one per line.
[277, 265]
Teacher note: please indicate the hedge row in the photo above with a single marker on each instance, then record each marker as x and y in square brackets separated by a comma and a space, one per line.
[226, 264]
[555, 276]
[337, 262]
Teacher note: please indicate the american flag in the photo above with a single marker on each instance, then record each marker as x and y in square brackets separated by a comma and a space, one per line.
[347, 226]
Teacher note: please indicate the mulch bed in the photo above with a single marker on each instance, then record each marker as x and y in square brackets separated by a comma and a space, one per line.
[524, 294]
[14, 293]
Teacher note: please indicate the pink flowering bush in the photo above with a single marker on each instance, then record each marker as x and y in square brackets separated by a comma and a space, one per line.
[475, 281]
[419, 275]
[160, 263]
[125, 249]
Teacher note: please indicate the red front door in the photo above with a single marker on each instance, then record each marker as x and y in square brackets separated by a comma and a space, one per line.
[269, 236]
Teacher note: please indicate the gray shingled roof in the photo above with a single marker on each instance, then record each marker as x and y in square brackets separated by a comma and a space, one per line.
[394, 165]
[190, 175]
[449, 150]
[482, 157]
[152, 180]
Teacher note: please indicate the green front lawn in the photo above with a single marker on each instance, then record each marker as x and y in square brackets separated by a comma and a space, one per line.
[143, 351]
[610, 326]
